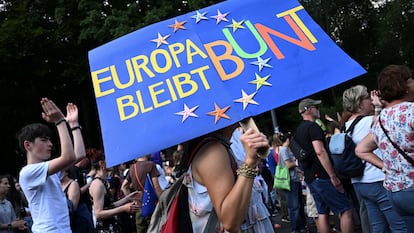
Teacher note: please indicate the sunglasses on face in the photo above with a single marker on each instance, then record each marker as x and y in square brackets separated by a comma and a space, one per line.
[313, 106]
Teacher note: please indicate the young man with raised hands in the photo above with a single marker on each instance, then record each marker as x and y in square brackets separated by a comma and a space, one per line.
[40, 178]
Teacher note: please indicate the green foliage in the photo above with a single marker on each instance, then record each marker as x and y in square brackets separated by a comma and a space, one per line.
[44, 46]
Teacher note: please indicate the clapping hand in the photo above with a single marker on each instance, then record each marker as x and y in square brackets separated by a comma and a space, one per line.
[376, 100]
[72, 113]
[51, 113]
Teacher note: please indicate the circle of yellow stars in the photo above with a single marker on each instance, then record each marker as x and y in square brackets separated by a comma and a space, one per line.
[245, 99]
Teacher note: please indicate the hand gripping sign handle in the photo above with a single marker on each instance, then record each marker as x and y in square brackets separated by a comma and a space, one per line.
[248, 123]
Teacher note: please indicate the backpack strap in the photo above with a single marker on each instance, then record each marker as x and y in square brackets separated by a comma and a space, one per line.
[354, 123]
[350, 130]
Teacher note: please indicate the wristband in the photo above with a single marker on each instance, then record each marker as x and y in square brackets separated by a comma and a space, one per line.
[9, 227]
[76, 127]
[60, 121]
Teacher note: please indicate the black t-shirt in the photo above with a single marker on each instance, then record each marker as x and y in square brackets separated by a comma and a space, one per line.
[307, 132]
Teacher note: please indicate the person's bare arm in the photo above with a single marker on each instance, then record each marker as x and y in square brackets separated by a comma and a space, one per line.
[326, 164]
[125, 187]
[74, 194]
[289, 164]
[157, 186]
[364, 150]
[97, 192]
[72, 116]
[85, 188]
[51, 113]
[132, 197]
[212, 169]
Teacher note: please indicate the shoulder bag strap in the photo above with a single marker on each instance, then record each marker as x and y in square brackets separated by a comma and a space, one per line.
[211, 223]
[395, 145]
[137, 178]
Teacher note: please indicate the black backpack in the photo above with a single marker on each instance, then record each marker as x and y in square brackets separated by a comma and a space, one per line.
[342, 153]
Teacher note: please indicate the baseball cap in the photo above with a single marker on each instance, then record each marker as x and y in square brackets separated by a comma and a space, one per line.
[306, 103]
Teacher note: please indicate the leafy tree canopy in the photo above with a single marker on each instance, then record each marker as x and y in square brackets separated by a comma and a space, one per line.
[44, 46]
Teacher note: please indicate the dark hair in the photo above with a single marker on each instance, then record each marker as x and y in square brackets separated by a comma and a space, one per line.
[31, 132]
[331, 126]
[280, 138]
[2, 176]
[95, 155]
[392, 82]
[15, 197]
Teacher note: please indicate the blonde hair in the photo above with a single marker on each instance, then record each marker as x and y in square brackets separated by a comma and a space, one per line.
[352, 97]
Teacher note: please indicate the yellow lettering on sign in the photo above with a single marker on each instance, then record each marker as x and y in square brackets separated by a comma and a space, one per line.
[124, 102]
[98, 81]
[298, 21]
[154, 93]
[176, 49]
[141, 66]
[117, 82]
[154, 63]
[197, 51]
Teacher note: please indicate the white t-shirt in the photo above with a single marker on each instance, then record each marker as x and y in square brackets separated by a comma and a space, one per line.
[47, 202]
[371, 172]
[162, 179]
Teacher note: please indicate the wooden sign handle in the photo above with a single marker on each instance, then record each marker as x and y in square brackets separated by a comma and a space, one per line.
[249, 123]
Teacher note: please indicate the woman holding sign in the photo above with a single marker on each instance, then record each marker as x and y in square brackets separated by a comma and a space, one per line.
[212, 182]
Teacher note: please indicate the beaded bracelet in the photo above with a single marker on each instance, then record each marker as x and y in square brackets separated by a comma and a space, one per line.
[60, 121]
[246, 171]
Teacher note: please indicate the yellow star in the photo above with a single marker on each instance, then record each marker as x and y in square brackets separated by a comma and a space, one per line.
[259, 81]
[161, 39]
[246, 99]
[219, 113]
[236, 25]
[178, 25]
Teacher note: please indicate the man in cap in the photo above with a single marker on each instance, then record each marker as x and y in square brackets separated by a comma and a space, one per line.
[325, 186]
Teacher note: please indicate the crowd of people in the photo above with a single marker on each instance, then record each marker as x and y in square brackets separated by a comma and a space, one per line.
[230, 177]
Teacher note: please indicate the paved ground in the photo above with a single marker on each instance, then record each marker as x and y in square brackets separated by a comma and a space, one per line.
[284, 226]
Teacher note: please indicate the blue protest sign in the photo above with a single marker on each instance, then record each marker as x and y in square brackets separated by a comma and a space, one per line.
[193, 74]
